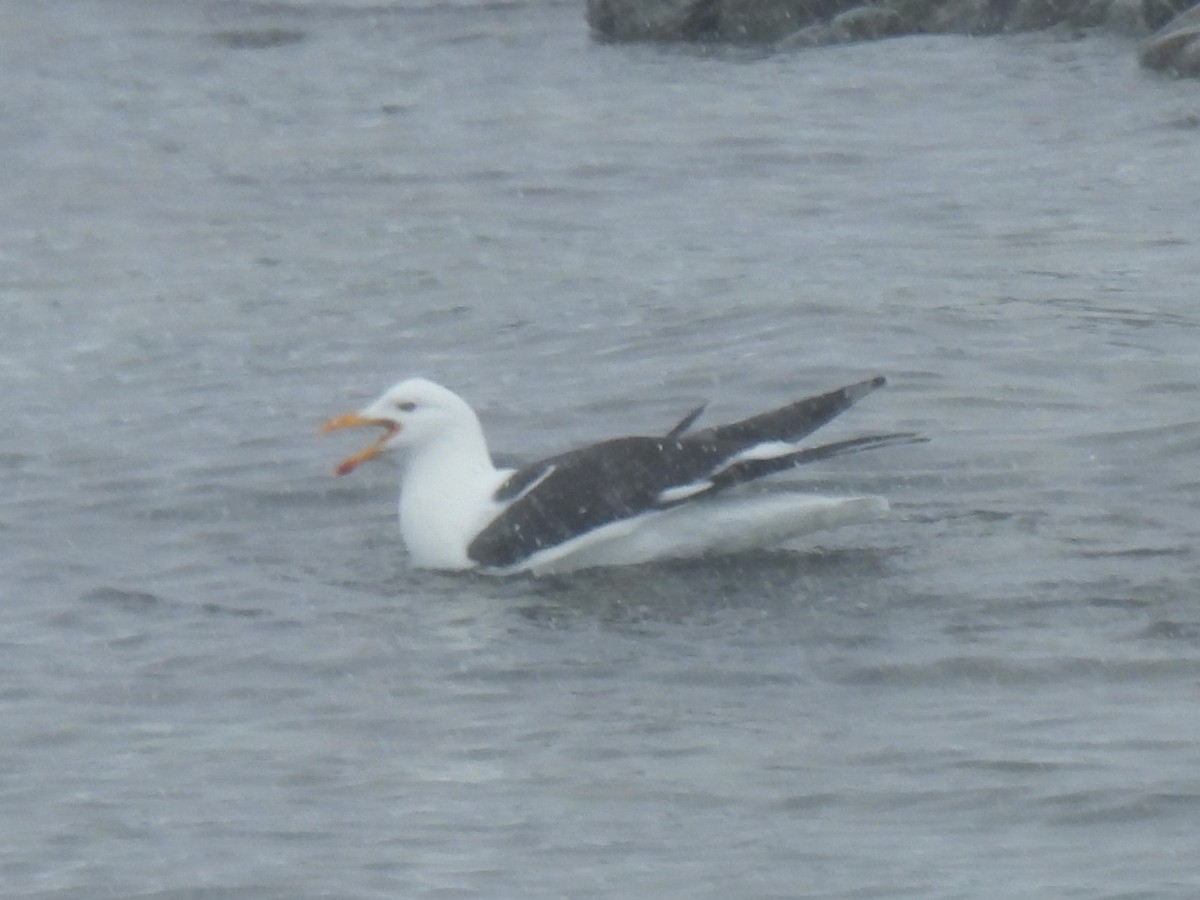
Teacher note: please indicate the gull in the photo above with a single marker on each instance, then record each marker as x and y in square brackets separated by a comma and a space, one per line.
[621, 501]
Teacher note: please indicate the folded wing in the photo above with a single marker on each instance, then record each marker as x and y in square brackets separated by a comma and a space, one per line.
[565, 496]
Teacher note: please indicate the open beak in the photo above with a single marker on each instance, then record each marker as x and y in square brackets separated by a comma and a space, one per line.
[355, 420]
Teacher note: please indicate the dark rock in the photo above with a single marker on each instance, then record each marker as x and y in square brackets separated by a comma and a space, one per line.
[1032, 15]
[757, 21]
[1175, 48]
[1157, 13]
[780, 24]
[812, 36]
[914, 14]
[867, 23]
[653, 20]
[1122, 16]
[967, 16]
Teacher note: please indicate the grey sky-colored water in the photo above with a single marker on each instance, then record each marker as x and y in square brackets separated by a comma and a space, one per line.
[222, 222]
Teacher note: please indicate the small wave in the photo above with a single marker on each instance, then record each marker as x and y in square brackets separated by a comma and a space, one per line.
[993, 670]
[128, 600]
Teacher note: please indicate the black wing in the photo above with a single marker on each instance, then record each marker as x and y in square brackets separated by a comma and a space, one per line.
[686, 422]
[792, 422]
[750, 469]
[562, 497]
[565, 496]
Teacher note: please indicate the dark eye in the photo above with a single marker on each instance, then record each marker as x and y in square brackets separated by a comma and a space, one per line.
[406, 406]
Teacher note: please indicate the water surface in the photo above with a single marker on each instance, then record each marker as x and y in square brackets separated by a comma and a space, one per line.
[222, 223]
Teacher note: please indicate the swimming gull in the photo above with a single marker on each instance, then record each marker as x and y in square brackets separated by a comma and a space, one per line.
[617, 502]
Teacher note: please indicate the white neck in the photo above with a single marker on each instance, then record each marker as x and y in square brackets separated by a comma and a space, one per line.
[446, 488]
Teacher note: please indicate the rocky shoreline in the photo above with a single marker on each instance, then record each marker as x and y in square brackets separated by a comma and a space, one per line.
[785, 24]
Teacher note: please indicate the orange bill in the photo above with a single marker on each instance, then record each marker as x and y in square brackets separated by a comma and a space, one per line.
[354, 420]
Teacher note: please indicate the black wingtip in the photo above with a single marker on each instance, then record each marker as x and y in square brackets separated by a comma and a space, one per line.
[686, 422]
[856, 392]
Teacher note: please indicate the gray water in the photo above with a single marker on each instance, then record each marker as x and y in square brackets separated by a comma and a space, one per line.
[221, 223]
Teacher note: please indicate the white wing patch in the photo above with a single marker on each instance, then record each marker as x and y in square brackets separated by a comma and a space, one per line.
[683, 491]
[533, 484]
[765, 450]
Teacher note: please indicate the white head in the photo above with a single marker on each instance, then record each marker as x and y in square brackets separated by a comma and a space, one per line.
[416, 413]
